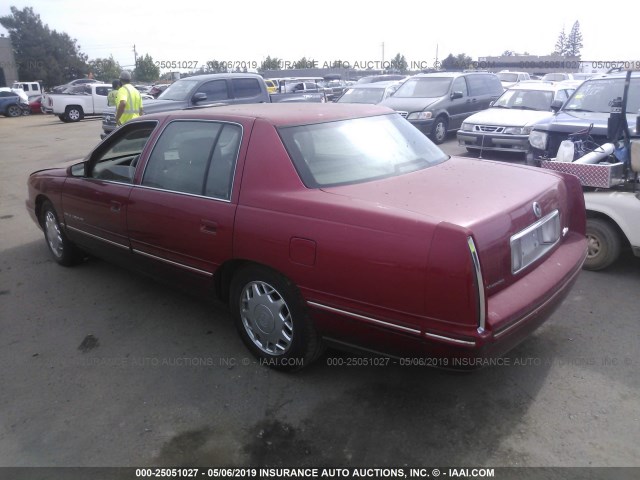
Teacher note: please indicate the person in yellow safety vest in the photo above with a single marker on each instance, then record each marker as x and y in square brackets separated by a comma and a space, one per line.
[128, 100]
[111, 98]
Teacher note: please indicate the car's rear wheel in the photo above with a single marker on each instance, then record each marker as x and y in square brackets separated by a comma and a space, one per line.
[74, 114]
[63, 117]
[14, 111]
[63, 250]
[439, 130]
[603, 244]
[272, 319]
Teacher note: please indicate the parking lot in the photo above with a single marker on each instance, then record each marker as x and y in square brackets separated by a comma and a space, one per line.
[103, 367]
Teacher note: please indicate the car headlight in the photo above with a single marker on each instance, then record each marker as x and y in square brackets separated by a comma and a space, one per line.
[518, 130]
[420, 116]
[467, 127]
[538, 139]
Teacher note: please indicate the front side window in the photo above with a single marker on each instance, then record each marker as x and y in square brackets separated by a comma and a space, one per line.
[358, 150]
[195, 157]
[460, 85]
[215, 90]
[116, 159]
[424, 87]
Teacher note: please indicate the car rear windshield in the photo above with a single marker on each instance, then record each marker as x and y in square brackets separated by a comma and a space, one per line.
[358, 150]
[596, 95]
[525, 99]
[425, 87]
[508, 77]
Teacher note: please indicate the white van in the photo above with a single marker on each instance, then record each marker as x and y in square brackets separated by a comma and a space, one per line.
[32, 89]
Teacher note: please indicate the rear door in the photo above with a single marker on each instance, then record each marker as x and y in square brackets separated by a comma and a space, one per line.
[182, 214]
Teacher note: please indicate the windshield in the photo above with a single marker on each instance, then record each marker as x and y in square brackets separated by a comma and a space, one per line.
[424, 87]
[358, 150]
[179, 90]
[362, 95]
[596, 95]
[525, 99]
[555, 77]
[508, 77]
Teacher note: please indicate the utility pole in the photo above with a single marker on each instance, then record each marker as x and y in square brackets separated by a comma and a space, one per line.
[382, 64]
[135, 55]
[436, 65]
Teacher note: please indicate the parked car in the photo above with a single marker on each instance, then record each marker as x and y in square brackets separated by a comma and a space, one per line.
[35, 104]
[272, 87]
[561, 77]
[507, 124]
[382, 78]
[217, 89]
[324, 223]
[368, 92]
[508, 79]
[589, 105]
[436, 103]
[72, 83]
[89, 100]
[31, 89]
[10, 103]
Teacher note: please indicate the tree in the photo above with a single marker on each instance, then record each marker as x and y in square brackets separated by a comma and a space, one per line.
[42, 53]
[561, 44]
[574, 41]
[271, 64]
[399, 63]
[214, 66]
[146, 70]
[105, 69]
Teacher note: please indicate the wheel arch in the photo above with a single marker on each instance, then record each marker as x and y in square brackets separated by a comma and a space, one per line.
[224, 275]
[593, 214]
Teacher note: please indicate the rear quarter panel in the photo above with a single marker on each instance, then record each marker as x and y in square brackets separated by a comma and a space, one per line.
[339, 253]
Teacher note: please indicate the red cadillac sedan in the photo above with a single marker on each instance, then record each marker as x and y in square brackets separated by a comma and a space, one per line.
[325, 224]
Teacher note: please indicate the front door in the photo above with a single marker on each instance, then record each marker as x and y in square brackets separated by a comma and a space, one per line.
[95, 201]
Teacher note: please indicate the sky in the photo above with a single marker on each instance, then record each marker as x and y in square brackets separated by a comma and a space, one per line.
[246, 32]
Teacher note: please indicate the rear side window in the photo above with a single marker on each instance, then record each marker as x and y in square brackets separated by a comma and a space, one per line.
[195, 157]
[104, 91]
[492, 84]
[246, 87]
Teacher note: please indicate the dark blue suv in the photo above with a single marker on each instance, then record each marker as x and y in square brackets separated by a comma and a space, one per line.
[10, 104]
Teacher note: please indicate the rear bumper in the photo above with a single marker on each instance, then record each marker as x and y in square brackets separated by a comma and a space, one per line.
[513, 314]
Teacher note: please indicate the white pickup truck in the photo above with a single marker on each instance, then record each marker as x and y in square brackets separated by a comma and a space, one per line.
[91, 99]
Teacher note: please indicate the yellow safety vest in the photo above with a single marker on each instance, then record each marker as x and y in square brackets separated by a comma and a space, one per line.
[130, 94]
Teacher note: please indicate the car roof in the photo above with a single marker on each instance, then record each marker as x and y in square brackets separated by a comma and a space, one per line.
[384, 84]
[449, 74]
[538, 85]
[278, 114]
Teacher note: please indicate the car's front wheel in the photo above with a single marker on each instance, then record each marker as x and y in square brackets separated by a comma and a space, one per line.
[14, 111]
[439, 130]
[272, 319]
[603, 244]
[63, 250]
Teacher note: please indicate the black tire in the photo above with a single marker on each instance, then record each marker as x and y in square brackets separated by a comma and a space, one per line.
[603, 244]
[26, 111]
[439, 130]
[74, 113]
[62, 249]
[63, 118]
[272, 319]
[13, 111]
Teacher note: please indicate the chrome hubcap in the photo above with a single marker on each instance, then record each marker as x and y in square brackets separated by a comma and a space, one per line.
[74, 114]
[440, 132]
[54, 236]
[266, 318]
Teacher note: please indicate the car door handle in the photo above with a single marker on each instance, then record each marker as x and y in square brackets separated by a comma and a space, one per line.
[207, 226]
[115, 206]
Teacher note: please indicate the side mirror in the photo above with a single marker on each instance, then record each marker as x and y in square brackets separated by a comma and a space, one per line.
[491, 103]
[78, 169]
[199, 97]
[556, 105]
[455, 95]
